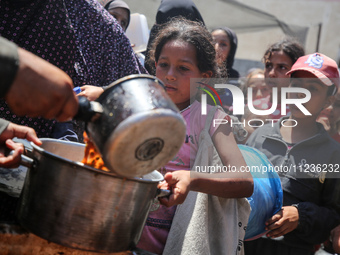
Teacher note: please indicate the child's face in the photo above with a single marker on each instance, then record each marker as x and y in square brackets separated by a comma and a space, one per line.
[319, 99]
[177, 63]
[260, 88]
[222, 45]
[276, 68]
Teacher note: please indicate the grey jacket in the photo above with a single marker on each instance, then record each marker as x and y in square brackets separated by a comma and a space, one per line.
[309, 173]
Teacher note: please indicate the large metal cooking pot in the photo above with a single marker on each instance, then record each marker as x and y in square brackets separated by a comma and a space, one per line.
[77, 206]
[137, 128]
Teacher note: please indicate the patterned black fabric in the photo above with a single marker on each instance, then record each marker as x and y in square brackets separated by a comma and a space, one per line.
[78, 36]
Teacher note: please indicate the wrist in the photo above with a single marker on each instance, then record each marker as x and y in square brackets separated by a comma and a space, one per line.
[296, 206]
[298, 215]
[9, 64]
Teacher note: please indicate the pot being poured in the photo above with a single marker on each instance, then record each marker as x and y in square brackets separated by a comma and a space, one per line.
[134, 124]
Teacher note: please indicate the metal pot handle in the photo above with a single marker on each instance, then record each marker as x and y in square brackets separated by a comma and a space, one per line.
[26, 161]
[163, 193]
[88, 110]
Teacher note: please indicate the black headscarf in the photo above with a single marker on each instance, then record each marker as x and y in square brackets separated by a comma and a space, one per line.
[174, 8]
[229, 62]
[167, 10]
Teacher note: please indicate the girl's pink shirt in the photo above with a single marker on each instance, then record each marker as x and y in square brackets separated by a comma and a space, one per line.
[158, 224]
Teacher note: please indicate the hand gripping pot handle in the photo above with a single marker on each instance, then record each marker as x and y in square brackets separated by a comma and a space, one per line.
[25, 160]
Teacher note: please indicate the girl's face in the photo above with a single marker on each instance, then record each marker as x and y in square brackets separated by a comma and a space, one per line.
[222, 45]
[276, 68]
[260, 88]
[177, 63]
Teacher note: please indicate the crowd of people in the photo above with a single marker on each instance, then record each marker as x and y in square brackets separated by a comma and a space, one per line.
[48, 47]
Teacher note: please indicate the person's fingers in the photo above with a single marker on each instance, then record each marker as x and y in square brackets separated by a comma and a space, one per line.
[13, 159]
[278, 232]
[69, 110]
[167, 201]
[169, 178]
[32, 137]
[19, 147]
[52, 112]
[26, 133]
[274, 218]
[275, 225]
[163, 185]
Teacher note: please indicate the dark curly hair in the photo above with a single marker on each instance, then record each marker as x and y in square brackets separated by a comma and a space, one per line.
[191, 32]
[292, 48]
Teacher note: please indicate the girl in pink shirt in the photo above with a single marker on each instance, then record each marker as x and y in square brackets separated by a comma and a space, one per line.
[184, 50]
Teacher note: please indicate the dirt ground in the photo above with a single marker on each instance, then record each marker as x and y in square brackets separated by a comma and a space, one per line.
[29, 244]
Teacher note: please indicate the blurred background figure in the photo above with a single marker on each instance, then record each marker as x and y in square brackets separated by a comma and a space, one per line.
[251, 123]
[279, 59]
[260, 97]
[226, 45]
[330, 118]
[169, 9]
[261, 92]
[121, 11]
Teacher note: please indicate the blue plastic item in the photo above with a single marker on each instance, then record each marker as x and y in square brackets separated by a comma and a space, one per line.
[77, 90]
[267, 196]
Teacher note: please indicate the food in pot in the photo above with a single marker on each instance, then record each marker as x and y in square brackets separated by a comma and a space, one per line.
[92, 157]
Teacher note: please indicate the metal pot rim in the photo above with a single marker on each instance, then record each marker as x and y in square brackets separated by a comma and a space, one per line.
[153, 177]
[126, 78]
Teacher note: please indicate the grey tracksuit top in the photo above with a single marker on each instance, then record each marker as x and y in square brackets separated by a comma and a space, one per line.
[310, 177]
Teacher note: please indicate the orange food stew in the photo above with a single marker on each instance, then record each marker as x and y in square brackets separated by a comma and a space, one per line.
[92, 157]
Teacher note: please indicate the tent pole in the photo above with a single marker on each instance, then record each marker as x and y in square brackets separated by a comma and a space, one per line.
[318, 37]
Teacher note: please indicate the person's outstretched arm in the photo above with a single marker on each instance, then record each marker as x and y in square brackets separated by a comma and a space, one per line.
[34, 87]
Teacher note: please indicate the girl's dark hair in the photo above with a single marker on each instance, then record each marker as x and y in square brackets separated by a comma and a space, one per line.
[292, 48]
[191, 32]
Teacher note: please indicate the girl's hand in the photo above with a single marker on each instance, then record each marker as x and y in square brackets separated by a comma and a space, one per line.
[179, 183]
[283, 222]
[90, 92]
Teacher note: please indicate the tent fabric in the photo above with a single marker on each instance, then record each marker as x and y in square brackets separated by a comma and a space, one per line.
[242, 19]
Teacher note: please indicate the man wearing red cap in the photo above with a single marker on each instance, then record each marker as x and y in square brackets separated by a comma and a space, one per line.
[307, 160]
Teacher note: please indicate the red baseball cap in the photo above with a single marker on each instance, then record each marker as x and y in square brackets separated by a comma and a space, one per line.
[323, 67]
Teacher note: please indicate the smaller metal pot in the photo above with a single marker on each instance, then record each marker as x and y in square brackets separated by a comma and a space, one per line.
[68, 203]
[134, 125]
